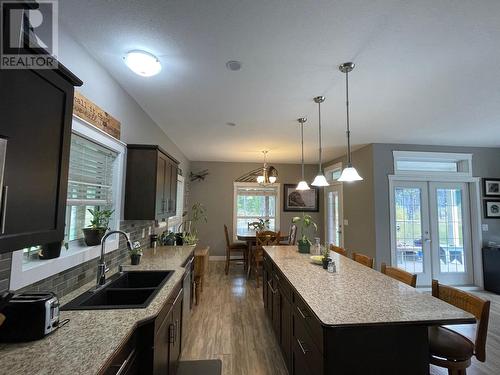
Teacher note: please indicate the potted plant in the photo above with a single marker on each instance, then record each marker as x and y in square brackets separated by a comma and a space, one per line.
[52, 250]
[326, 257]
[197, 215]
[135, 253]
[305, 222]
[98, 226]
[167, 238]
[260, 225]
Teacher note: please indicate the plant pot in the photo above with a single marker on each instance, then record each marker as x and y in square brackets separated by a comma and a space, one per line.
[179, 240]
[50, 251]
[304, 247]
[325, 262]
[170, 241]
[135, 259]
[93, 236]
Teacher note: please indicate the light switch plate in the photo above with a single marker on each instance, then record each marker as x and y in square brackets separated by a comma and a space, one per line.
[149, 231]
[346, 222]
[143, 232]
[484, 227]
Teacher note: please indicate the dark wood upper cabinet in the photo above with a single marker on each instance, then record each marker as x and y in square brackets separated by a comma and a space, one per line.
[151, 185]
[36, 108]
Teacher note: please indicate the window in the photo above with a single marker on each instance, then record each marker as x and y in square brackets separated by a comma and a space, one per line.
[175, 221]
[253, 202]
[333, 172]
[432, 163]
[90, 184]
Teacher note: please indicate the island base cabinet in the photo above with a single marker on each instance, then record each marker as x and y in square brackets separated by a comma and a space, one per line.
[377, 350]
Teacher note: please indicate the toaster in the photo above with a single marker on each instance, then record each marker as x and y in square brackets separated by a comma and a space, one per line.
[29, 316]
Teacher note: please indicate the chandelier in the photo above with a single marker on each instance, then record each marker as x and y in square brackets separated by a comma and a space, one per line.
[268, 174]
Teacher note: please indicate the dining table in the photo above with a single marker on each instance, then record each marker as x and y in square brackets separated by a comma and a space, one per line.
[250, 237]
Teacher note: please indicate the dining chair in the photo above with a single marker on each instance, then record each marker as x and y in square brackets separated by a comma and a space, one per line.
[232, 247]
[263, 238]
[363, 259]
[338, 249]
[292, 236]
[450, 349]
[399, 274]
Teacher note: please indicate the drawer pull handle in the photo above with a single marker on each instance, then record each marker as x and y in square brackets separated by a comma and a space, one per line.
[270, 286]
[301, 313]
[125, 363]
[301, 344]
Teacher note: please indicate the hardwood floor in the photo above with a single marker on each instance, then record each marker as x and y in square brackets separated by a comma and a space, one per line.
[229, 324]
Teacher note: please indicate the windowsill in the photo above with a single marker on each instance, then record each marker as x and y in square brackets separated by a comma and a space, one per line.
[26, 272]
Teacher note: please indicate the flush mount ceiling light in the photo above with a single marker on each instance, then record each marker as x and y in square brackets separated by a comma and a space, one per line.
[232, 124]
[320, 179]
[349, 173]
[143, 63]
[302, 185]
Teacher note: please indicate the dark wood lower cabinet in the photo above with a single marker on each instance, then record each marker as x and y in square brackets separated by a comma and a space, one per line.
[311, 348]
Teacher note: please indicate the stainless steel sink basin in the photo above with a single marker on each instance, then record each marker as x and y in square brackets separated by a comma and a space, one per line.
[126, 290]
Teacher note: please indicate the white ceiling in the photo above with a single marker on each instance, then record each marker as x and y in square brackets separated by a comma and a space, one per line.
[428, 72]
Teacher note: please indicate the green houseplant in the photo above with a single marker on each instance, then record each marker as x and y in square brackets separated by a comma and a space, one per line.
[198, 214]
[305, 222]
[135, 253]
[261, 225]
[98, 226]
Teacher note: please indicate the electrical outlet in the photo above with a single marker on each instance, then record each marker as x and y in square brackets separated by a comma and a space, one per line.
[484, 227]
[143, 232]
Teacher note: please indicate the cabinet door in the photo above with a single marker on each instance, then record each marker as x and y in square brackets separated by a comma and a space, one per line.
[286, 330]
[176, 345]
[173, 189]
[36, 110]
[163, 341]
[161, 171]
[277, 311]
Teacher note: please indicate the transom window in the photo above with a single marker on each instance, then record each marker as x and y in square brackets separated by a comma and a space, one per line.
[253, 202]
[432, 163]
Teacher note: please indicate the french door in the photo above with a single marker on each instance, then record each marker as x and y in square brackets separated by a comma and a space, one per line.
[333, 215]
[431, 231]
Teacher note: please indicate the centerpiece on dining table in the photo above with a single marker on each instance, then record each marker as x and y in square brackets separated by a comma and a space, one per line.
[306, 223]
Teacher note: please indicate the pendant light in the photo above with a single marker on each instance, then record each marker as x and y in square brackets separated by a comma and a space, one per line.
[349, 173]
[302, 185]
[320, 179]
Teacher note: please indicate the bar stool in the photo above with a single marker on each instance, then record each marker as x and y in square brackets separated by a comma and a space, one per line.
[365, 260]
[400, 275]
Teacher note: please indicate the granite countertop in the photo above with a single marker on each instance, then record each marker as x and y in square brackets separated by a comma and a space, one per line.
[91, 337]
[358, 295]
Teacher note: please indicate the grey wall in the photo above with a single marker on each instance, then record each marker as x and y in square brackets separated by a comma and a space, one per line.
[216, 194]
[485, 163]
[358, 205]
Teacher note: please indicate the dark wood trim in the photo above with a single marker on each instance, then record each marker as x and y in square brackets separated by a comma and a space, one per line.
[152, 147]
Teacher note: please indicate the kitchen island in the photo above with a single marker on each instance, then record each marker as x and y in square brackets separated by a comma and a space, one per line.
[354, 321]
[92, 339]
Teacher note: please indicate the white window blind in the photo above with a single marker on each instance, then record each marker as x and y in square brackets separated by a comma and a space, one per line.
[90, 183]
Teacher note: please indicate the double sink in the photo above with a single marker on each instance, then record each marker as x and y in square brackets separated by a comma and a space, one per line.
[125, 290]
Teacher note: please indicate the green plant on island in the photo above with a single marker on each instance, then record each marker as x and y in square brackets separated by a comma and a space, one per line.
[305, 222]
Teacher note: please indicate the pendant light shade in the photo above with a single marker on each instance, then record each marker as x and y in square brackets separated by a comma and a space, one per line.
[349, 173]
[302, 185]
[320, 179]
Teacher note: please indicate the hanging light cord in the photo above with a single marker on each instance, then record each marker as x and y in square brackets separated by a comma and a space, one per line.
[302, 138]
[319, 117]
[348, 132]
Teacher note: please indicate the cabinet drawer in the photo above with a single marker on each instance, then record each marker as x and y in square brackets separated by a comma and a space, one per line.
[306, 317]
[283, 284]
[304, 349]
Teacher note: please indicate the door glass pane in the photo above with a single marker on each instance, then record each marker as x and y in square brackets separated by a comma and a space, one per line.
[408, 229]
[450, 230]
[332, 207]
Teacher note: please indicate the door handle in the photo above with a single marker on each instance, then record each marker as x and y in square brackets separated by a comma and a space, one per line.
[4, 206]
[427, 240]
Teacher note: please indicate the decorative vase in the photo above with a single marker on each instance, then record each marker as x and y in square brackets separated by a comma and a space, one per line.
[325, 262]
[50, 251]
[135, 259]
[93, 236]
[179, 240]
[304, 247]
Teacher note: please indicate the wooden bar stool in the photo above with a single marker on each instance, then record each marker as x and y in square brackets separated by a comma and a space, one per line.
[338, 250]
[365, 260]
[450, 349]
[400, 275]
[200, 270]
[231, 247]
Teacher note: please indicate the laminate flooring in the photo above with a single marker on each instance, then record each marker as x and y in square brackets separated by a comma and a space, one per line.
[229, 324]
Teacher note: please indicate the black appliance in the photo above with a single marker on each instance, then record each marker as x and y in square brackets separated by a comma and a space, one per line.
[491, 269]
[29, 316]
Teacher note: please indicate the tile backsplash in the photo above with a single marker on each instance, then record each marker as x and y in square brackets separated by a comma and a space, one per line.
[67, 281]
